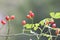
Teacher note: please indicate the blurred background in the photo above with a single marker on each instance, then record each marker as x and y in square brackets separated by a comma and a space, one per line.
[20, 8]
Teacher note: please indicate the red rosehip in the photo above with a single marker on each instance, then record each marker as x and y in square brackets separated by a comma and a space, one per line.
[7, 18]
[12, 17]
[3, 22]
[28, 16]
[23, 22]
[32, 15]
[54, 25]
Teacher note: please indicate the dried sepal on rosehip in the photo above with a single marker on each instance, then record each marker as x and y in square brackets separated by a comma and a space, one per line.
[57, 31]
[23, 22]
[51, 21]
[12, 17]
[46, 22]
[7, 18]
[3, 22]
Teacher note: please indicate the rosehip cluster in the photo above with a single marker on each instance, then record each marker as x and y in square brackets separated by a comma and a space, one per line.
[51, 23]
[7, 19]
[29, 16]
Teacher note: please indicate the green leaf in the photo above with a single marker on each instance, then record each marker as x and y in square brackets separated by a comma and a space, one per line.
[28, 26]
[55, 15]
[36, 26]
[41, 22]
[52, 14]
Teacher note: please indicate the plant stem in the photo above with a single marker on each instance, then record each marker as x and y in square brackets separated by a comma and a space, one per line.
[8, 31]
[41, 32]
[32, 22]
[37, 37]
[56, 37]
[23, 29]
[50, 33]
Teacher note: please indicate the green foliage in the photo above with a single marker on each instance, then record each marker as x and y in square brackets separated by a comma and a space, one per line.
[41, 22]
[55, 15]
[29, 26]
[36, 26]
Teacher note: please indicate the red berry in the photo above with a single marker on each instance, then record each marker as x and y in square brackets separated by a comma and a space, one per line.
[7, 18]
[31, 14]
[23, 22]
[28, 16]
[54, 25]
[12, 17]
[3, 22]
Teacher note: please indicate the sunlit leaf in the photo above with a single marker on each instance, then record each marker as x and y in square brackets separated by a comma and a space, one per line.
[36, 26]
[41, 22]
[55, 15]
[52, 14]
[28, 26]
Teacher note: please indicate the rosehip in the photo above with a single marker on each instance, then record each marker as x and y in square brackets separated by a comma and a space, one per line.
[54, 25]
[31, 14]
[28, 16]
[7, 18]
[3, 22]
[12, 17]
[23, 22]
